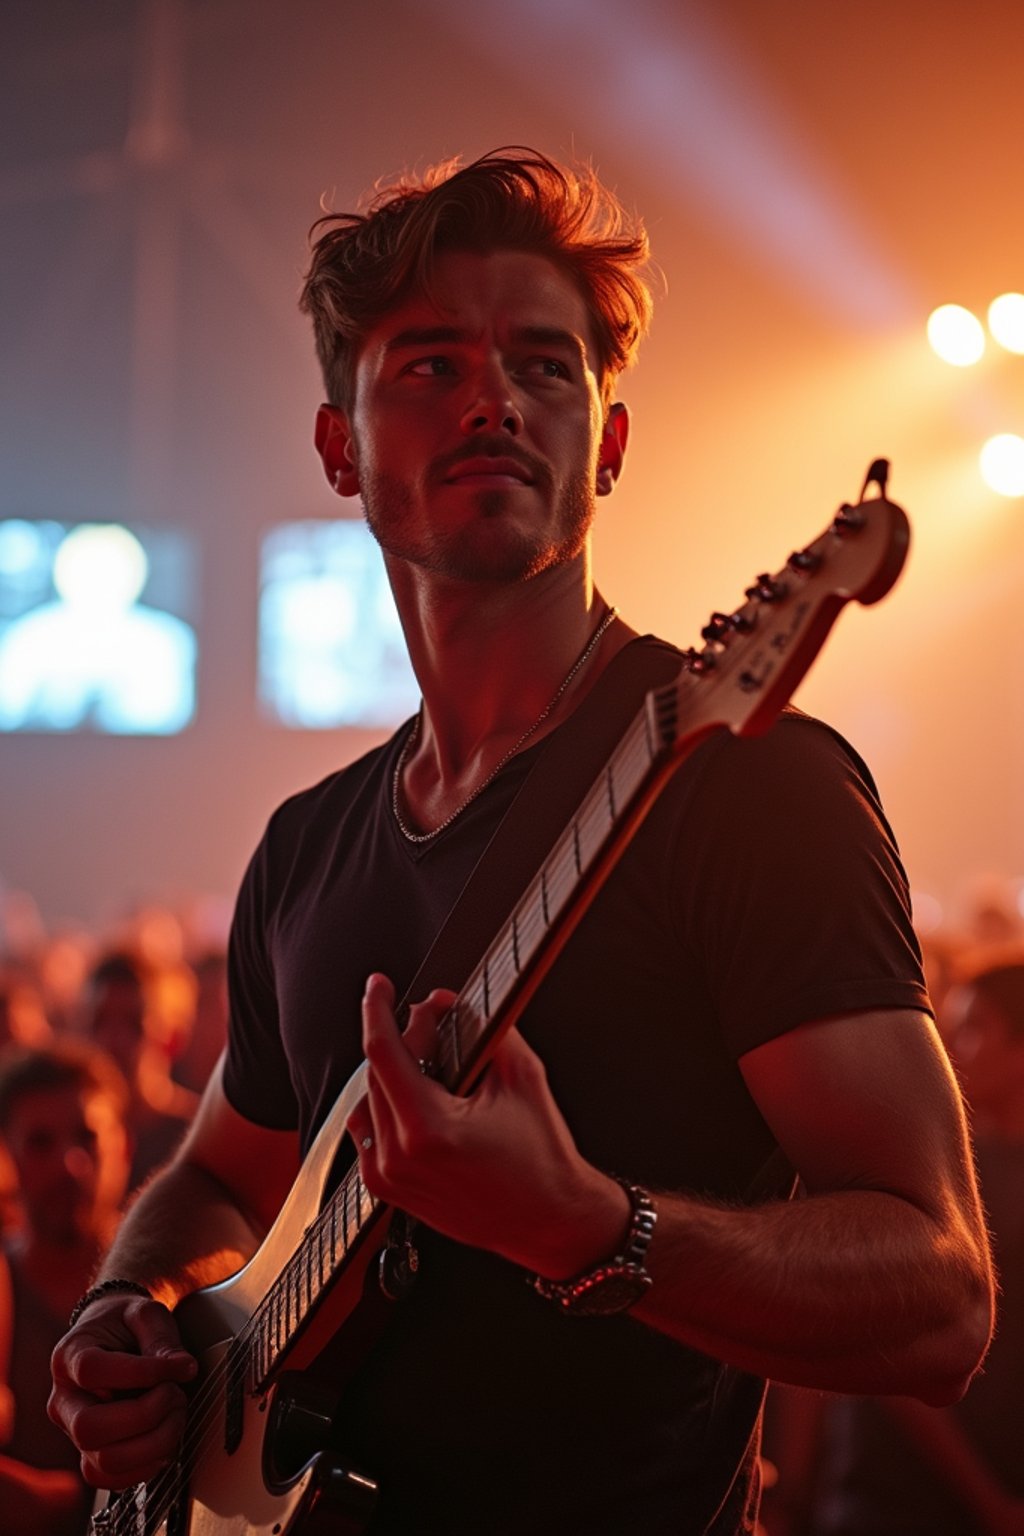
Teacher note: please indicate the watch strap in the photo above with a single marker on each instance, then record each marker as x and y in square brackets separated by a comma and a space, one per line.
[627, 1271]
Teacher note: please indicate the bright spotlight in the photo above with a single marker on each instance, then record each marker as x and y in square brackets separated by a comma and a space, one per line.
[1006, 321]
[956, 335]
[1002, 464]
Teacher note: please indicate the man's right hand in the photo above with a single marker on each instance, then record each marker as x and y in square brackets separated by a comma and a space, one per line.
[118, 1379]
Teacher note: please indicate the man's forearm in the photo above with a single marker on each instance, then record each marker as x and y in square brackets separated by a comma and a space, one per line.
[183, 1232]
[854, 1291]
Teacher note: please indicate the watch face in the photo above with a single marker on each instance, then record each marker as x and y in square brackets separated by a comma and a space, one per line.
[611, 1292]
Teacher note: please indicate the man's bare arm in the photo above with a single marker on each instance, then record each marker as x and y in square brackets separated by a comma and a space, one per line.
[880, 1280]
[202, 1217]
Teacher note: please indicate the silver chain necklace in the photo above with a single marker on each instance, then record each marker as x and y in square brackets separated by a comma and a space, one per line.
[413, 736]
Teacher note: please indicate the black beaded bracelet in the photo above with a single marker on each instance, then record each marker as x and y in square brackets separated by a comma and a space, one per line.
[106, 1288]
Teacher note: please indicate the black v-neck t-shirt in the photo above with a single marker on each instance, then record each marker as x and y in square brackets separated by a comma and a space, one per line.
[764, 891]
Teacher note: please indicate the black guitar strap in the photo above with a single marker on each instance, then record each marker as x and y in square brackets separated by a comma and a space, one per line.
[567, 764]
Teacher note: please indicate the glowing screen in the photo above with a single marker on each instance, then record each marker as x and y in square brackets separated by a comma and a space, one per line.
[331, 647]
[93, 628]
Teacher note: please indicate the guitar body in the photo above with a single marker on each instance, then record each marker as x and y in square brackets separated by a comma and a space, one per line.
[256, 1458]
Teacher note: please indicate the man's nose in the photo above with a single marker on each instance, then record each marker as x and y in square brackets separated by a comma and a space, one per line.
[491, 406]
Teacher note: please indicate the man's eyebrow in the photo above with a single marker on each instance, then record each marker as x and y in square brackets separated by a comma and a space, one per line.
[424, 336]
[440, 335]
[551, 336]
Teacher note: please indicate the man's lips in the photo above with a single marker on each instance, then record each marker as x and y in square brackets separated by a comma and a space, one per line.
[487, 469]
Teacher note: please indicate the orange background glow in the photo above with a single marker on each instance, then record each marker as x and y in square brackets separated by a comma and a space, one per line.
[816, 179]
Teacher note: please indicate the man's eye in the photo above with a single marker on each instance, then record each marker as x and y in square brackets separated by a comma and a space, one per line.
[430, 367]
[548, 367]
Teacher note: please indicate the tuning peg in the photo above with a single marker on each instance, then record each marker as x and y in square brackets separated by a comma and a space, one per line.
[766, 589]
[698, 661]
[847, 520]
[803, 560]
[717, 627]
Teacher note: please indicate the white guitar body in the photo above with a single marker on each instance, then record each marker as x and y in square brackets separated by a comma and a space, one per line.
[222, 1490]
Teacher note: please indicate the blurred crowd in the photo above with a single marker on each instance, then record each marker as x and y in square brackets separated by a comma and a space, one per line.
[106, 1043]
[107, 1040]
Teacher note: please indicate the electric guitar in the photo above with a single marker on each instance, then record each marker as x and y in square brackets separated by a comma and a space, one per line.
[256, 1457]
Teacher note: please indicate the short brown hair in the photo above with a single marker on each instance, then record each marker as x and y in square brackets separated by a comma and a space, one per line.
[364, 264]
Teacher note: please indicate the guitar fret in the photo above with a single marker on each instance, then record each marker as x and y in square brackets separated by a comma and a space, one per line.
[576, 847]
[645, 715]
[450, 1022]
[610, 781]
[544, 896]
[561, 881]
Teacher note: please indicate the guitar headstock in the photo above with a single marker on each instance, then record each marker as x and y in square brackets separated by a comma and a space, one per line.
[754, 657]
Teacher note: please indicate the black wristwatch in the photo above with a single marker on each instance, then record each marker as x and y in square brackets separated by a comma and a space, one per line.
[618, 1283]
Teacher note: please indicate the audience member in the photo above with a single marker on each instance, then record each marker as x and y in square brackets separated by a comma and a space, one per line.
[113, 1015]
[62, 1117]
[209, 1031]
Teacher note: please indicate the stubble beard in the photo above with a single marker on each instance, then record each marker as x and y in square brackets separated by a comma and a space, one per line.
[490, 548]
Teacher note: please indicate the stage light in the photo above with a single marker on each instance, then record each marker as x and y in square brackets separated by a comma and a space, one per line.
[1002, 464]
[1006, 321]
[956, 335]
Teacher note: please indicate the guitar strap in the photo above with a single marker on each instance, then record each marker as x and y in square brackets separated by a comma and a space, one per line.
[566, 765]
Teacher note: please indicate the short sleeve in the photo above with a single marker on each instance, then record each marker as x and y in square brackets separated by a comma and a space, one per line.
[788, 885]
[257, 1080]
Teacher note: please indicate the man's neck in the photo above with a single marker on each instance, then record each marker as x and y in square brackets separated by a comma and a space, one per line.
[491, 665]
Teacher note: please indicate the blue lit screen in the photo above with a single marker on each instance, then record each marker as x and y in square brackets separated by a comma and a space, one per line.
[331, 647]
[94, 628]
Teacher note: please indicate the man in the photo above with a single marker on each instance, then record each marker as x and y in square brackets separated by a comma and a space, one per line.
[735, 985]
[62, 1117]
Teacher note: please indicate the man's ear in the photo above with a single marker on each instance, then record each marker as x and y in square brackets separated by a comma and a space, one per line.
[613, 448]
[333, 438]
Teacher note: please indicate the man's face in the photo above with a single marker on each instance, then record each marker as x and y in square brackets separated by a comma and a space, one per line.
[475, 436]
[115, 1020]
[70, 1150]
